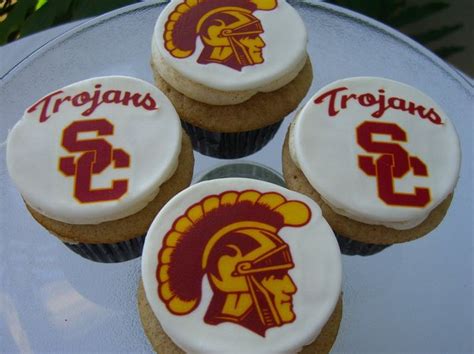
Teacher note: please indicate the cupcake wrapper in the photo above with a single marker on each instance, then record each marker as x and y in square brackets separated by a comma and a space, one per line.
[355, 248]
[229, 145]
[109, 252]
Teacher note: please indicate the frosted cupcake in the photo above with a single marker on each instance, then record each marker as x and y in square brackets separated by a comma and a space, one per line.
[381, 158]
[240, 266]
[232, 69]
[95, 161]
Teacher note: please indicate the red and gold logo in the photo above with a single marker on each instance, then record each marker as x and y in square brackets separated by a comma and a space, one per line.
[97, 155]
[232, 238]
[228, 30]
[394, 163]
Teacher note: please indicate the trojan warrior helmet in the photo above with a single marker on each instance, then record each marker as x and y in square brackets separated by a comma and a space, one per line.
[228, 30]
[233, 239]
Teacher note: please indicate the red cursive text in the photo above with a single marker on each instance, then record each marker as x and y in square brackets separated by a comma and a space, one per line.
[338, 101]
[53, 102]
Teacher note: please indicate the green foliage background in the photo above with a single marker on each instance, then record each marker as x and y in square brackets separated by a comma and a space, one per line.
[24, 17]
[29, 16]
[398, 13]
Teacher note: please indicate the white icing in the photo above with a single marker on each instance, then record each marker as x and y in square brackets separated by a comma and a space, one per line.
[325, 149]
[317, 275]
[284, 54]
[151, 137]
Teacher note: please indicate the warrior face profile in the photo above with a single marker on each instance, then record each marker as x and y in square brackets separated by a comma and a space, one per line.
[228, 30]
[232, 239]
[248, 273]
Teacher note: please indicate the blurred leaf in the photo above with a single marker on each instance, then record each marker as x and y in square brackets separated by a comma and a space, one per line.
[433, 35]
[40, 4]
[10, 27]
[5, 7]
[445, 52]
[415, 13]
[50, 14]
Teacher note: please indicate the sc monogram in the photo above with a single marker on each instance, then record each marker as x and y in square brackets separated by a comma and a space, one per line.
[95, 155]
[393, 162]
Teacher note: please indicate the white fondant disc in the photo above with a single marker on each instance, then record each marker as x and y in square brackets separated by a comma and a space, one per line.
[369, 121]
[125, 125]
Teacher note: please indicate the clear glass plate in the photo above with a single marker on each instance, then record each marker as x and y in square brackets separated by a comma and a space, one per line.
[414, 297]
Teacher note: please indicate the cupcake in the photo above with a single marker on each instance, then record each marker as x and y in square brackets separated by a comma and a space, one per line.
[232, 69]
[95, 161]
[381, 159]
[238, 265]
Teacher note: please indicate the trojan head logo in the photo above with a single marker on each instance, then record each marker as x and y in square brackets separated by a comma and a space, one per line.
[228, 30]
[232, 239]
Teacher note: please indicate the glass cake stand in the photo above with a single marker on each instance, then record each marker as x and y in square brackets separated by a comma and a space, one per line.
[414, 297]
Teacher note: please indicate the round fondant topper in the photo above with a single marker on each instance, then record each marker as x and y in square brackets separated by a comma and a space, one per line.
[223, 261]
[377, 151]
[247, 39]
[74, 155]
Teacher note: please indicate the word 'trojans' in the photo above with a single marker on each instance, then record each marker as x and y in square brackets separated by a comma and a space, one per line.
[339, 101]
[53, 102]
